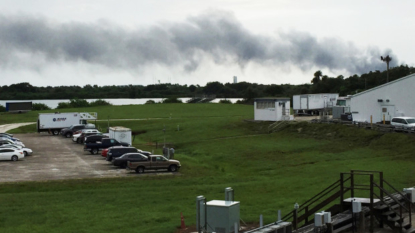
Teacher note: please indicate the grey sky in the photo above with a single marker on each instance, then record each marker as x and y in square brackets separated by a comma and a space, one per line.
[190, 42]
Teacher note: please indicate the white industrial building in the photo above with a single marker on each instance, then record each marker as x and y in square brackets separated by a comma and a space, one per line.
[272, 109]
[396, 98]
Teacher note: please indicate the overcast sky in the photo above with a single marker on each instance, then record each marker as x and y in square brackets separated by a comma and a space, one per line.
[121, 42]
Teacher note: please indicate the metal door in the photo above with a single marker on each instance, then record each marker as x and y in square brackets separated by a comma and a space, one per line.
[303, 103]
[387, 111]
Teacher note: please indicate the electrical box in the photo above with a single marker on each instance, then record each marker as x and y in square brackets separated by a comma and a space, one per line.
[222, 216]
[411, 192]
[327, 217]
[121, 134]
[319, 219]
[356, 206]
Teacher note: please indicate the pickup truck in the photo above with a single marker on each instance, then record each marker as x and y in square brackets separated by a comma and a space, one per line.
[94, 148]
[154, 162]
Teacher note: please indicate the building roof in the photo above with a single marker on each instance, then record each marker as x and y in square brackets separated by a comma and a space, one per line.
[386, 84]
[271, 98]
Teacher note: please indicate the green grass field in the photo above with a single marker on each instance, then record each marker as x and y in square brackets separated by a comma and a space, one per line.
[217, 149]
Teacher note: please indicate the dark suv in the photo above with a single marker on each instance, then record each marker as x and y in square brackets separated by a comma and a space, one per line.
[68, 132]
[119, 151]
[94, 138]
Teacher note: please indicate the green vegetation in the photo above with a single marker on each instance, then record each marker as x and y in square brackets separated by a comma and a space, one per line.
[82, 103]
[39, 107]
[217, 149]
[319, 83]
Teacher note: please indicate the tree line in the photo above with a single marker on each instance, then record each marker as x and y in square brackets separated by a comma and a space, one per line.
[319, 83]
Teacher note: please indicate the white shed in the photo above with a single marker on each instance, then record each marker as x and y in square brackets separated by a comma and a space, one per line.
[392, 99]
[272, 109]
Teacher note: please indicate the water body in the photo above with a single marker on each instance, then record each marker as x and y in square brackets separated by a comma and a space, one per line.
[54, 103]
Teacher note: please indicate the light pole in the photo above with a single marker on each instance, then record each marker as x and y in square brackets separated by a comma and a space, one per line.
[164, 134]
[386, 59]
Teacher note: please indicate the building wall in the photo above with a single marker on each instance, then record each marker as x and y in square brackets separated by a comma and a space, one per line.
[400, 94]
[272, 113]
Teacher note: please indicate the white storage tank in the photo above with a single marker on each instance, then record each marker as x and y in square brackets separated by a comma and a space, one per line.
[121, 134]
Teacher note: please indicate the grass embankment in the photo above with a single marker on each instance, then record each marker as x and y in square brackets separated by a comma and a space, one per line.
[267, 171]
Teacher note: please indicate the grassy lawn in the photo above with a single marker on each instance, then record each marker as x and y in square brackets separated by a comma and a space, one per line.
[217, 149]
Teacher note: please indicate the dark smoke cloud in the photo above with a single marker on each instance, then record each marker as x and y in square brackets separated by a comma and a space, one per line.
[25, 40]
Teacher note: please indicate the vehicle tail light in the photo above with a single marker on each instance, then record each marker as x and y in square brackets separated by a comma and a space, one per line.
[21, 152]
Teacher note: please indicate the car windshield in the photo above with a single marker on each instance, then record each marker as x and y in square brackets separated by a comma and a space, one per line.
[410, 120]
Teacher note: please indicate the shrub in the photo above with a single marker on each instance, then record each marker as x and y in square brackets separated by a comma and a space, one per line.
[2, 108]
[171, 100]
[99, 102]
[79, 103]
[63, 105]
[150, 102]
[225, 102]
[40, 106]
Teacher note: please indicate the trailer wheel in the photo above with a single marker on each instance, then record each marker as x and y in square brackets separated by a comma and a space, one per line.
[94, 151]
[55, 132]
[173, 168]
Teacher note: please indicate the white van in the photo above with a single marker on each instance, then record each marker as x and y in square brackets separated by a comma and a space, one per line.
[403, 122]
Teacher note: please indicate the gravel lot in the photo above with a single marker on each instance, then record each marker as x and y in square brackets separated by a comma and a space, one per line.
[56, 158]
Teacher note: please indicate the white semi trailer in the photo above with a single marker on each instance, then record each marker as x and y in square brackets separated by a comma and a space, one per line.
[313, 103]
[54, 122]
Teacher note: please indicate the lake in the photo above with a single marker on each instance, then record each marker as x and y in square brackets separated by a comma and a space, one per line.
[54, 103]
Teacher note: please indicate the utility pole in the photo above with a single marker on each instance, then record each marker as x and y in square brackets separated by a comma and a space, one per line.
[386, 59]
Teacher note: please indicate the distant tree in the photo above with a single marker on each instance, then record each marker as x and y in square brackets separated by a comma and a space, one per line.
[62, 105]
[99, 102]
[150, 102]
[171, 100]
[79, 103]
[225, 102]
[192, 88]
[317, 76]
[40, 106]
[2, 108]
[213, 88]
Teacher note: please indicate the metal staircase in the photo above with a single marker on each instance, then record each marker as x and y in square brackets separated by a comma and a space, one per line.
[88, 115]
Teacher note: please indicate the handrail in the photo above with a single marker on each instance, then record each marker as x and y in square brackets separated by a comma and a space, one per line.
[328, 191]
[390, 195]
[406, 198]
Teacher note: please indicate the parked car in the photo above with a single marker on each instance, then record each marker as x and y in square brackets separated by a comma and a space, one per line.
[93, 148]
[403, 122]
[6, 134]
[132, 157]
[8, 141]
[26, 151]
[84, 136]
[119, 151]
[95, 138]
[77, 137]
[68, 132]
[11, 154]
[155, 162]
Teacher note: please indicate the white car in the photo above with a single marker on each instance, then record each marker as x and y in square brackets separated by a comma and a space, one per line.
[13, 141]
[404, 122]
[11, 154]
[26, 151]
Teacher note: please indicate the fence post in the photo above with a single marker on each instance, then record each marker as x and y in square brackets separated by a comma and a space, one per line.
[352, 183]
[371, 204]
[341, 192]
[381, 194]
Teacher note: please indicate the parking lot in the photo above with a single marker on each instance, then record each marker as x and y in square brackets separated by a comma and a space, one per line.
[56, 158]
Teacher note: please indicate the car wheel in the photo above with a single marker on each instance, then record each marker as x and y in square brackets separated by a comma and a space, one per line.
[68, 135]
[55, 132]
[139, 170]
[94, 151]
[91, 152]
[25, 153]
[173, 168]
[15, 158]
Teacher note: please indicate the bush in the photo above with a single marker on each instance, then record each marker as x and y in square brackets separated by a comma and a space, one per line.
[225, 102]
[150, 102]
[171, 100]
[63, 105]
[99, 102]
[79, 103]
[40, 106]
[2, 108]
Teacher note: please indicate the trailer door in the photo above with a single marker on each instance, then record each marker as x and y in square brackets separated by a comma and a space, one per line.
[304, 103]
